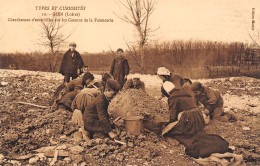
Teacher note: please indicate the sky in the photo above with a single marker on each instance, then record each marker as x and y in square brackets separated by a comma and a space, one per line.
[216, 20]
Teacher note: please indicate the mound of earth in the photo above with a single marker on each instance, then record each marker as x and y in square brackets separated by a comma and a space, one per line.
[136, 103]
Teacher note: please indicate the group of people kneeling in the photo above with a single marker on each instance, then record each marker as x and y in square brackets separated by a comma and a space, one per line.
[187, 119]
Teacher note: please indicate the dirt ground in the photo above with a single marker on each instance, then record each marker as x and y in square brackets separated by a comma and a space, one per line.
[26, 128]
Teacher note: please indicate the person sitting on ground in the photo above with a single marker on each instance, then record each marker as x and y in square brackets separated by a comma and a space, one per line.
[134, 83]
[74, 87]
[212, 101]
[95, 117]
[166, 75]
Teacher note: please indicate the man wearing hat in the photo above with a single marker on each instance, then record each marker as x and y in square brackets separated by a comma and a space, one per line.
[120, 67]
[72, 63]
[96, 118]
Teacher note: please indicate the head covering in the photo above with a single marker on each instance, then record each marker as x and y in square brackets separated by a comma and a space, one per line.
[106, 76]
[163, 71]
[88, 75]
[196, 86]
[168, 87]
[187, 80]
[112, 85]
[120, 49]
[73, 44]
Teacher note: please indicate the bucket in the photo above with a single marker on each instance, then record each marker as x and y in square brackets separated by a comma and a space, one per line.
[133, 125]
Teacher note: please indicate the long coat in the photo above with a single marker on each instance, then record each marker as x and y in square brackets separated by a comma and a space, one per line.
[119, 69]
[70, 64]
[96, 118]
[191, 120]
[179, 101]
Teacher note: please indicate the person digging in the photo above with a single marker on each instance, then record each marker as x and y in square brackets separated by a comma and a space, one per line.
[212, 101]
[96, 118]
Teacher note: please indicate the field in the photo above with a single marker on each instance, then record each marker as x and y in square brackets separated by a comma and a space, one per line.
[26, 128]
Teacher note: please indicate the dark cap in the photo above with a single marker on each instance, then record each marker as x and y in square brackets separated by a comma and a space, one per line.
[73, 44]
[113, 85]
[88, 75]
[120, 49]
[196, 86]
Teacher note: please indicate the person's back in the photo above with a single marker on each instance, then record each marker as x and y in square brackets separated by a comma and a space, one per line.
[177, 80]
[179, 101]
[76, 84]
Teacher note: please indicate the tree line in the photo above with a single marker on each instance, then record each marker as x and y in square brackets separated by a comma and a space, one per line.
[172, 55]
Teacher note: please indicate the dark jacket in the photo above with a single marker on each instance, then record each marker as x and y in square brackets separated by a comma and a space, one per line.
[191, 119]
[177, 80]
[119, 69]
[73, 88]
[75, 85]
[210, 98]
[71, 64]
[96, 118]
[179, 101]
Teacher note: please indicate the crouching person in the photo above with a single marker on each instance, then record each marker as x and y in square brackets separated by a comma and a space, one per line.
[74, 87]
[212, 101]
[96, 118]
[134, 83]
[186, 119]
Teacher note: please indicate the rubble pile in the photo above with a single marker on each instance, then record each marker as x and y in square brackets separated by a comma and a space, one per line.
[135, 102]
[36, 135]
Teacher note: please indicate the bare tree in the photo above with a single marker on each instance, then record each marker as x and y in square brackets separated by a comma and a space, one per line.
[255, 38]
[52, 38]
[138, 13]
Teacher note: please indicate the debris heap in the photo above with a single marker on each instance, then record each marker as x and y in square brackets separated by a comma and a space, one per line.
[134, 102]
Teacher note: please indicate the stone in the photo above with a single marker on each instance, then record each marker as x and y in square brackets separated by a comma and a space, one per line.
[83, 164]
[50, 131]
[122, 134]
[1, 158]
[3, 83]
[130, 144]
[11, 137]
[246, 128]
[76, 149]
[67, 159]
[78, 136]
[16, 163]
[33, 160]
[120, 157]
[98, 140]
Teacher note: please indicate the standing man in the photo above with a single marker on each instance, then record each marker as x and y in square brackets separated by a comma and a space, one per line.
[72, 63]
[120, 68]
